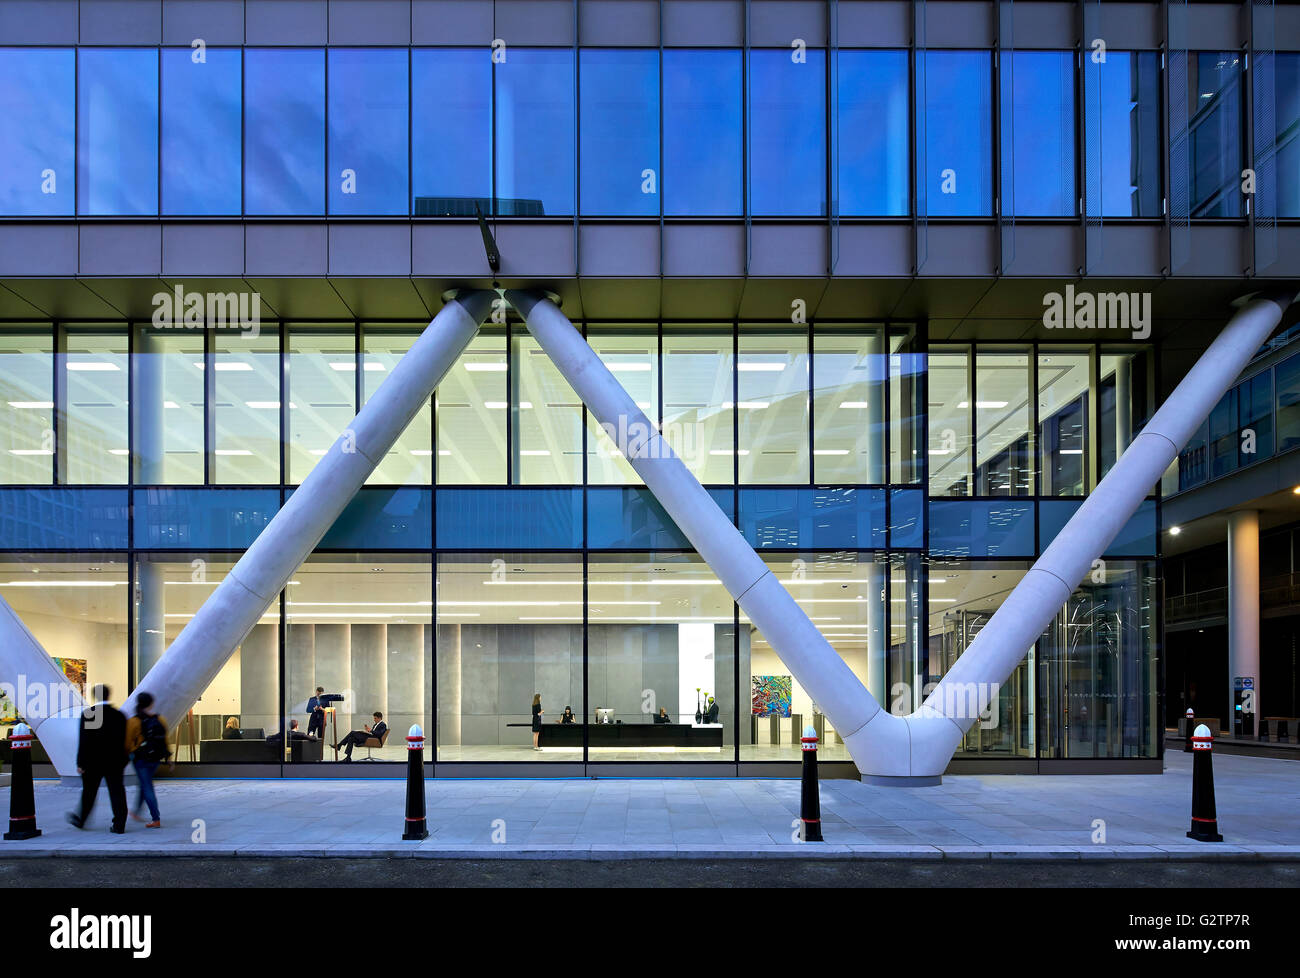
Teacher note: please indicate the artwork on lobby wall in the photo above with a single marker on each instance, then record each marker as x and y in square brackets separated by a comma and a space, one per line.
[770, 695]
[75, 670]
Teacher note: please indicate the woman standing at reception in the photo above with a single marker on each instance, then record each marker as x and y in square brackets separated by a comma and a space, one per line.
[537, 720]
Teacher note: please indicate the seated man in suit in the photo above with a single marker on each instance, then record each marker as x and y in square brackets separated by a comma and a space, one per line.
[294, 734]
[711, 715]
[358, 737]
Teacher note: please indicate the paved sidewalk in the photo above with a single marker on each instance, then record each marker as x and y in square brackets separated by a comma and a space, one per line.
[968, 817]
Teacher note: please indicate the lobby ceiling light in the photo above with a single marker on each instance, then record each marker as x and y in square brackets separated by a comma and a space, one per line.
[484, 368]
[31, 405]
[536, 452]
[348, 366]
[830, 451]
[984, 405]
[940, 451]
[628, 368]
[855, 405]
[48, 583]
[1175, 530]
[99, 366]
[31, 451]
[1296, 490]
[227, 366]
[233, 452]
[759, 366]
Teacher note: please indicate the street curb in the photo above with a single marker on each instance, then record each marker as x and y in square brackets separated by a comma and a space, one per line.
[1289, 854]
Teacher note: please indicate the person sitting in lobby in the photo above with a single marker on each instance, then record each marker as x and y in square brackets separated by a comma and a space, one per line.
[232, 731]
[711, 714]
[357, 738]
[294, 734]
[662, 716]
[567, 716]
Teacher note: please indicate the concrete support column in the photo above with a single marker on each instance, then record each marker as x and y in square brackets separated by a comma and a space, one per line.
[369, 671]
[147, 408]
[300, 667]
[151, 605]
[1243, 604]
[877, 369]
[334, 672]
[877, 613]
[1123, 403]
[449, 692]
[408, 699]
[746, 685]
[259, 664]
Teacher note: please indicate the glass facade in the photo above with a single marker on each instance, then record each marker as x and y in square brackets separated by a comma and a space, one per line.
[630, 132]
[504, 549]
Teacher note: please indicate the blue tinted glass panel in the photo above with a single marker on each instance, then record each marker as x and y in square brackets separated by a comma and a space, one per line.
[906, 518]
[535, 132]
[201, 145]
[1122, 113]
[702, 142]
[368, 115]
[451, 131]
[1038, 134]
[523, 519]
[117, 131]
[954, 152]
[1287, 80]
[1214, 108]
[620, 131]
[777, 519]
[1137, 538]
[1288, 404]
[38, 91]
[976, 528]
[219, 519]
[284, 131]
[873, 139]
[64, 519]
[632, 519]
[385, 519]
[787, 133]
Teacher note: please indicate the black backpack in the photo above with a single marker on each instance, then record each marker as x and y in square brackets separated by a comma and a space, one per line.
[154, 748]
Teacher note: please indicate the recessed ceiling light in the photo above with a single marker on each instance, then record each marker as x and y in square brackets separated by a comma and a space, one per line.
[1175, 530]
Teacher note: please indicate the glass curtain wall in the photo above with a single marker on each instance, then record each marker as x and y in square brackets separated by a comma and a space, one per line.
[698, 395]
[93, 406]
[361, 627]
[76, 606]
[509, 630]
[632, 354]
[410, 460]
[168, 409]
[848, 403]
[244, 391]
[237, 718]
[661, 643]
[26, 405]
[772, 405]
[321, 384]
[38, 131]
[473, 411]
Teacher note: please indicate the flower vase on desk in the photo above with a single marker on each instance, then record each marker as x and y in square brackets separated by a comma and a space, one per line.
[699, 711]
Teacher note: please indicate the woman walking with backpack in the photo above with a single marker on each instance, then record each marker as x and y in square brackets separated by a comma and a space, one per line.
[146, 741]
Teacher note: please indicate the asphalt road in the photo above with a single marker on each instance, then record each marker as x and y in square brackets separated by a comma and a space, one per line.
[338, 874]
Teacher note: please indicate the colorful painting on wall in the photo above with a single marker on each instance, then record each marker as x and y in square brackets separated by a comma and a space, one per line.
[75, 670]
[770, 695]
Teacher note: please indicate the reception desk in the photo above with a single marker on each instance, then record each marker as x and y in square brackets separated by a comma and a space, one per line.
[620, 736]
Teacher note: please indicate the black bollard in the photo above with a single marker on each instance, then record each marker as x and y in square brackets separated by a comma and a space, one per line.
[810, 808]
[22, 798]
[416, 826]
[1187, 741]
[1205, 823]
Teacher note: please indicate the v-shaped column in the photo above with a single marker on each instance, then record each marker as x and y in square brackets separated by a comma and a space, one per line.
[889, 749]
[223, 621]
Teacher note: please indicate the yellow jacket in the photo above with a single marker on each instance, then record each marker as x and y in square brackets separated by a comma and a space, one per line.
[135, 732]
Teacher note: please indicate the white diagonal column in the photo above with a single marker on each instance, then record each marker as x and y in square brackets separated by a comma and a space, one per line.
[819, 669]
[1000, 645]
[231, 611]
